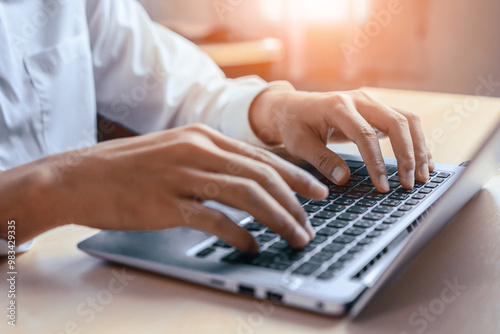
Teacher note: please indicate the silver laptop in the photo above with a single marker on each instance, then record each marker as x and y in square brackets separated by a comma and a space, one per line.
[363, 238]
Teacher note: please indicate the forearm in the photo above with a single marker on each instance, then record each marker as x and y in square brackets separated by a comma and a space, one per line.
[28, 196]
[266, 112]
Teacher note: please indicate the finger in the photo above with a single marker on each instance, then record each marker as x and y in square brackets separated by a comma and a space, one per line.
[422, 154]
[248, 195]
[397, 127]
[267, 177]
[298, 179]
[217, 223]
[363, 135]
[312, 149]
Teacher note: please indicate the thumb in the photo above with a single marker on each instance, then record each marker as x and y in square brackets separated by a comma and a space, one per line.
[312, 149]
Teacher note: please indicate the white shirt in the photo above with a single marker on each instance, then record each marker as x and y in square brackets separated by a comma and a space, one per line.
[64, 61]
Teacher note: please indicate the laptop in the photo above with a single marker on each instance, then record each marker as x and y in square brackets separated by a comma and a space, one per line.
[364, 239]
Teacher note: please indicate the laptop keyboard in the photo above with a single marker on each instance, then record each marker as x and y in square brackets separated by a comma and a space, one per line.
[346, 223]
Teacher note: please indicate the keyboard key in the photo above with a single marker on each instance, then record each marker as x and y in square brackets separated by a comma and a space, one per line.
[425, 190]
[321, 257]
[357, 178]
[346, 257]
[280, 245]
[327, 231]
[332, 196]
[431, 185]
[444, 175]
[348, 216]
[373, 216]
[356, 249]
[337, 224]
[390, 221]
[391, 169]
[306, 269]
[326, 275]
[398, 214]
[355, 231]
[373, 234]
[363, 189]
[335, 208]
[318, 239]
[418, 196]
[320, 203]
[406, 191]
[394, 184]
[333, 248]
[362, 171]
[338, 190]
[405, 208]
[357, 209]
[382, 227]
[254, 226]
[412, 202]
[263, 258]
[366, 202]
[205, 252]
[344, 239]
[391, 202]
[234, 257]
[264, 238]
[220, 243]
[311, 208]
[317, 221]
[418, 184]
[365, 241]
[353, 194]
[301, 199]
[344, 201]
[368, 182]
[336, 266]
[364, 224]
[383, 209]
[354, 164]
[434, 173]
[324, 215]
[375, 196]
[437, 180]
[350, 184]
[399, 196]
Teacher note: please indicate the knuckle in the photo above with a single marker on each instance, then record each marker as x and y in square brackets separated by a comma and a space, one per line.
[268, 175]
[367, 132]
[400, 121]
[412, 117]
[321, 160]
[199, 127]
[249, 191]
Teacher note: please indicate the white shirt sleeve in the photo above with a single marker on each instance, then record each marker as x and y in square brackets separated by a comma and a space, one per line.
[148, 78]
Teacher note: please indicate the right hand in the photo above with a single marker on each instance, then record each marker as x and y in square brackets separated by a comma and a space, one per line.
[159, 181]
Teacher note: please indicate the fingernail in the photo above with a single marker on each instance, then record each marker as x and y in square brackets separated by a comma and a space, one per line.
[410, 178]
[424, 171]
[338, 174]
[384, 182]
[431, 163]
[310, 229]
[301, 235]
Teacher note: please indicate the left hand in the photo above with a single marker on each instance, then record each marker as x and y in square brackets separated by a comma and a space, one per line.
[305, 122]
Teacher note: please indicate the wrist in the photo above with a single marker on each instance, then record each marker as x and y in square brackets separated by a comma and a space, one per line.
[268, 112]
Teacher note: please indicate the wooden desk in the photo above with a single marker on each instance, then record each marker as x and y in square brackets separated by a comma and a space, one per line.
[57, 283]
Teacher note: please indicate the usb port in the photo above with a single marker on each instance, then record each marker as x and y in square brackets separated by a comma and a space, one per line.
[274, 297]
[247, 290]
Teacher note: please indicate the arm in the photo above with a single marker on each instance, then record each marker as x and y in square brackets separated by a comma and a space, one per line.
[148, 78]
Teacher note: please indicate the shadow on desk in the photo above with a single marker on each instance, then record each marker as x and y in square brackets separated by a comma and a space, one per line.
[449, 279]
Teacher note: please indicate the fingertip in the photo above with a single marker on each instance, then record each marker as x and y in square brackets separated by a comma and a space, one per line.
[340, 174]
[383, 184]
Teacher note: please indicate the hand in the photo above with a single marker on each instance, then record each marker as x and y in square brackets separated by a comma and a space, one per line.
[305, 122]
[159, 181]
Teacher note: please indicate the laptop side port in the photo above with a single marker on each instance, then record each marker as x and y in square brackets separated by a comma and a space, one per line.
[246, 290]
[274, 297]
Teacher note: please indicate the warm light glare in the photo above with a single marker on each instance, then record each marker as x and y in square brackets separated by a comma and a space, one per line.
[314, 10]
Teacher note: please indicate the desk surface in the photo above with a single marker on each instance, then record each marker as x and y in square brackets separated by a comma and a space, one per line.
[62, 290]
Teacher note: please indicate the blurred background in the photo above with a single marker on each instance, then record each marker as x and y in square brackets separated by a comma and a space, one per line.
[429, 45]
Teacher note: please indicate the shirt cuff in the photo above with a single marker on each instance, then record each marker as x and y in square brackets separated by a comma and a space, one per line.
[234, 121]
